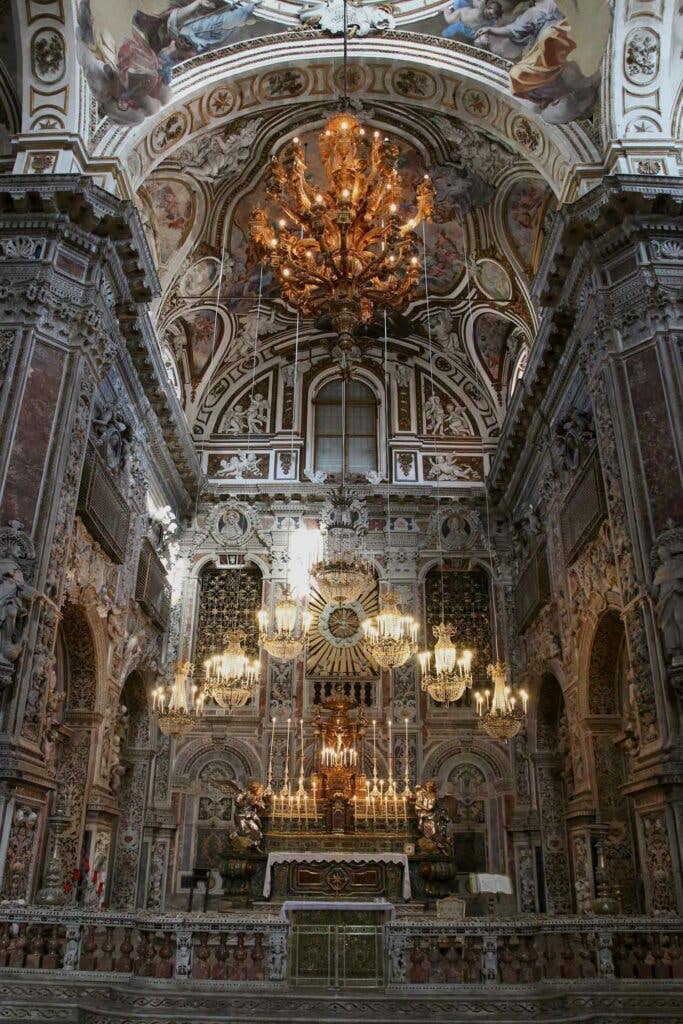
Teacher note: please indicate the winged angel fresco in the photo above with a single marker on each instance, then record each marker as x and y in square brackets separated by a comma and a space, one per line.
[556, 48]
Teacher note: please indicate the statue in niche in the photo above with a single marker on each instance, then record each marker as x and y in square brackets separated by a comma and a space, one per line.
[456, 421]
[257, 414]
[431, 820]
[112, 434]
[115, 770]
[249, 805]
[235, 420]
[250, 420]
[668, 586]
[435, 415]
[14, 596]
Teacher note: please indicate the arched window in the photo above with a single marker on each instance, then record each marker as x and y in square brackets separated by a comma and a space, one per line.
[349, 447]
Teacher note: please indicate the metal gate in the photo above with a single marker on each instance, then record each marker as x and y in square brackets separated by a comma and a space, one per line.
[336, 956]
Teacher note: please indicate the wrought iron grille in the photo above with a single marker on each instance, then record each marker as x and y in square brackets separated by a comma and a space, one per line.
[339, 956]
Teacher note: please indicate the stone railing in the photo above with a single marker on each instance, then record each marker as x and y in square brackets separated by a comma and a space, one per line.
[527, 950]
[250, 951]
[246, 951]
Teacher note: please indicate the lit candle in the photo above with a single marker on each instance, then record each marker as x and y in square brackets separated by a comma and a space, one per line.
[301, 770]
[391, 754]
[269, 787]
[286, 782]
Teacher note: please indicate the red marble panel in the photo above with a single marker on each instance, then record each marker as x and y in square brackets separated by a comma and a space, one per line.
[32, 437]
[657, 450]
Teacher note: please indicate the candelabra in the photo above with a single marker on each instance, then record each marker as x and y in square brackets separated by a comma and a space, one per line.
[176, 714]
[338, 791]
[342, 576]
[292, 623]
[342, 249]
[503, 712]
[390, 636]
[452, 674]
[232, 675]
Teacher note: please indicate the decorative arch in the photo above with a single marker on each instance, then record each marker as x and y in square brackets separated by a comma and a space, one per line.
[213, 86]
[81, 660]
[318, 381]
[200, 751]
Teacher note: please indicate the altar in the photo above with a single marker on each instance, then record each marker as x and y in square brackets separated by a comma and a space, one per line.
[340, 875]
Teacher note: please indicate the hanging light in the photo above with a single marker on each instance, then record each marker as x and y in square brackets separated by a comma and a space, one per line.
[292, 623]
[342, 575]
[503, 712]
[452, 674]
[390, 636]
[232, 675]
[176, 715]
[342, 249]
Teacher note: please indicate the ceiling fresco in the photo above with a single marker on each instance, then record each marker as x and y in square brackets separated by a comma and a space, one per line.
[223, 322]
[129, 50]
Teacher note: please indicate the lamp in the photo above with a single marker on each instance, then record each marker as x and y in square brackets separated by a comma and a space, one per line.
[342, 248]
[390, 636]
[342, 576]
[452, 674]
[292, 623]
[176, 715]
[503, 713]
[232, 675]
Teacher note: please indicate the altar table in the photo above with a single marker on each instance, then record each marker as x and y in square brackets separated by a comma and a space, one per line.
[301, 857]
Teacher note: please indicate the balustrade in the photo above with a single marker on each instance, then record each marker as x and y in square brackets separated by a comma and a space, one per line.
[252, 951]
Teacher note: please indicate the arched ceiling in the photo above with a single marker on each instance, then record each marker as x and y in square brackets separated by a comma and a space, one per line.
[492, 210]
[129, 50]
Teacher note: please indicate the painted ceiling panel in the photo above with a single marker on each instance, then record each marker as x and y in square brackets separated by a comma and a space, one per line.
[129, 49]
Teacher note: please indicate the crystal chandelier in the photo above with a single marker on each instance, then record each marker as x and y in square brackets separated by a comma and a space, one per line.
[452, 674]
[176, 715]
[503, 713]
[342, 576]
[232, 675]
[287, 639]
[344, 248]
[390, 636]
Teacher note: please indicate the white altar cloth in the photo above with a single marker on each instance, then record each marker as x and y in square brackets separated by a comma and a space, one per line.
[300, 857]
[381, 905]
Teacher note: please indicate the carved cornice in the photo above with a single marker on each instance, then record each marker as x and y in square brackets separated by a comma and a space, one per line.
[39, 216]
[573, 285]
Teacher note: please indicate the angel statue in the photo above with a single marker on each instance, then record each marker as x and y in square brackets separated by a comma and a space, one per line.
[431, 822]
[248, 805]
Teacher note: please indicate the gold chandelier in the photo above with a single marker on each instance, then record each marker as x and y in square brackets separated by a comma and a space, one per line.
[343, 575]
[232, 675]
[176, 714]
[292, 623]
[503, 713]
[343, 248]
[452, 674]
[390, 636]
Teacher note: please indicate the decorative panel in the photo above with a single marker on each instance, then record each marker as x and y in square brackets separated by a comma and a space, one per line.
[583, 510]
[335, 648]
[151, 588]
[467, 606]
[655, 439]
[102, 508]
[533, 588]
[228, 599]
